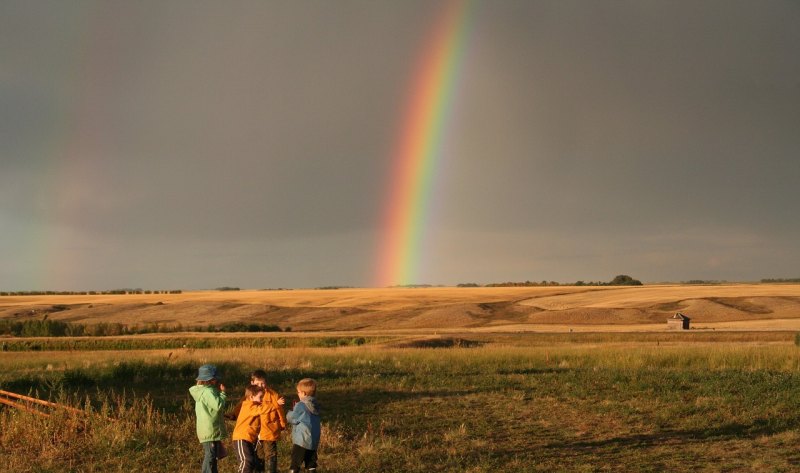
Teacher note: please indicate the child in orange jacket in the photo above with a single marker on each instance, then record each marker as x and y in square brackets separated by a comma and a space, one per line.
[272, 419]
[248, 424]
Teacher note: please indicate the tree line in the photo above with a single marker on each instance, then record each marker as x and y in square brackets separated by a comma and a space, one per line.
[90, 293]
[620, 280]
[57, 328]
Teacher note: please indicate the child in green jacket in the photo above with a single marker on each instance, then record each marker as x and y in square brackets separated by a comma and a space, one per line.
[209, 396]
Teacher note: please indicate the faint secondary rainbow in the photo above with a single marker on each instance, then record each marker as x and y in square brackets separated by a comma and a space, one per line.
[75, 136]
[420, 147]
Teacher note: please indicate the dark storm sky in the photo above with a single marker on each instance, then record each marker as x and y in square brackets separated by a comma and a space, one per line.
[200, 144]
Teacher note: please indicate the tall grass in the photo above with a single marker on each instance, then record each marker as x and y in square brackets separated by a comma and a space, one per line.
[118, 433]
[561, 407]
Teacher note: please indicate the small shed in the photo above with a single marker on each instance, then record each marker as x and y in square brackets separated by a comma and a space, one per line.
[678, 321]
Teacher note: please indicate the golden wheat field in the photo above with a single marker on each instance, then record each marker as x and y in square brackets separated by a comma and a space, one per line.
[412, 377]
[440, 309]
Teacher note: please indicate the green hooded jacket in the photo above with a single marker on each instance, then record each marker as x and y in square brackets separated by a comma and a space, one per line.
[209, 407]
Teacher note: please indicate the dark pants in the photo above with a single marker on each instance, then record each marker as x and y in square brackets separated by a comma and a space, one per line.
[301, 455]
[269, 451]
[210, 457]
[246, 452]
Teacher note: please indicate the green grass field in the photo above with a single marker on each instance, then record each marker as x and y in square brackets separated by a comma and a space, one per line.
[527, 402]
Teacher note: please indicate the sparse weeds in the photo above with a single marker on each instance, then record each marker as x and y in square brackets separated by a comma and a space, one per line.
[562, 407]
[114, 426]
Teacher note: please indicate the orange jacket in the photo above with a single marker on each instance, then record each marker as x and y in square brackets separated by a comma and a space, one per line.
[273, 421]
[249, 421]
[263, 421]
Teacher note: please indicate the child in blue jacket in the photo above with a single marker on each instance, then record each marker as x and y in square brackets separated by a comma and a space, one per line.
[304, 419]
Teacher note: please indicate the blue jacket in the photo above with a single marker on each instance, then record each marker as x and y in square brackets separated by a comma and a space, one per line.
[304, 419]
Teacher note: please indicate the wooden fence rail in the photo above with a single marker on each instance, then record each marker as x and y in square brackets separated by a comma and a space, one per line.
[26, 403]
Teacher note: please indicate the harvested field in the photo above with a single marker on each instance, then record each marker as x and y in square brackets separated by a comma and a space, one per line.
[729, 307]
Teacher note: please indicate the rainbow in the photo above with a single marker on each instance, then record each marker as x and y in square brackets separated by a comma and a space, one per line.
[70, 174]
[419, 151]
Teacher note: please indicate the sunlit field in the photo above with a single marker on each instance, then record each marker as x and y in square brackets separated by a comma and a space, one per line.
[540, 402]
[422, 310]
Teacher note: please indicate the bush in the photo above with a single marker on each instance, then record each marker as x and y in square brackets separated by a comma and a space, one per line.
[243, 327]
[34, 328]
[624, 280]
[55, 328]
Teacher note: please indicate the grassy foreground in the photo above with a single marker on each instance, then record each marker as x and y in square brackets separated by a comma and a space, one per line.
[636, 406]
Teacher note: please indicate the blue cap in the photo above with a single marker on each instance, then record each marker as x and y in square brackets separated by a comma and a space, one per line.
[207, 373]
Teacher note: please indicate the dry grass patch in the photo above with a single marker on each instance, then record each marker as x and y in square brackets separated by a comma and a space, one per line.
[550, 403]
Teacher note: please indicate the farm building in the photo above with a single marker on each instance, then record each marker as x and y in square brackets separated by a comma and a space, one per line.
[678, 322]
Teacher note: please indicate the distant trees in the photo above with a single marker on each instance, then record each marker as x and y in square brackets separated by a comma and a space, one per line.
[524, 284]
[55, 328]
[624, 280]
[244, 327]
[620, 280]
[89, 293]
[35, 328]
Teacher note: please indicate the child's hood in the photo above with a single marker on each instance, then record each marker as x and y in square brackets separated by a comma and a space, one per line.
[197, 390]
[311, 405]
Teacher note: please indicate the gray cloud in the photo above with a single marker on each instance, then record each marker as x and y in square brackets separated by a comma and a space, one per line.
[183, 143]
